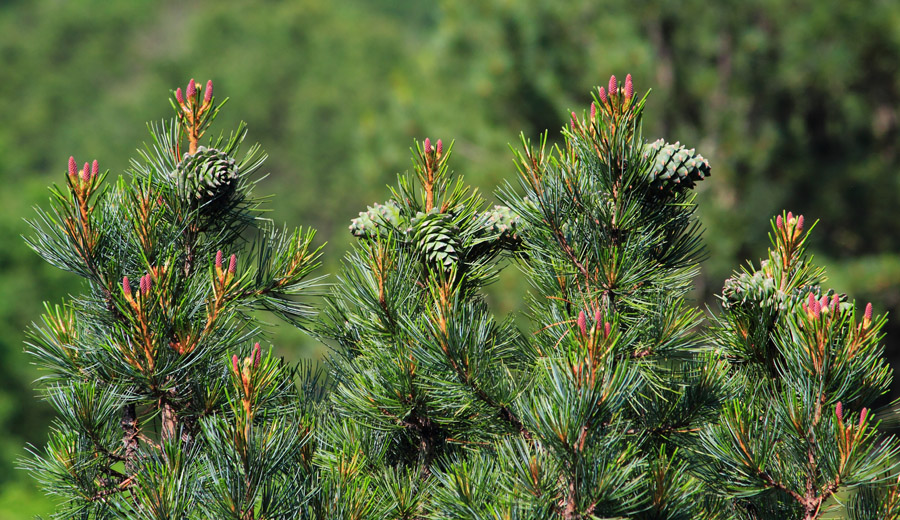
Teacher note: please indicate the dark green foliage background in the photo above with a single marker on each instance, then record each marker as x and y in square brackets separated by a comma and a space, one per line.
[795, 104]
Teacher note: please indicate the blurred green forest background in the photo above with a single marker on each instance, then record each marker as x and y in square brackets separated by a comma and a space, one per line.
[795, 104]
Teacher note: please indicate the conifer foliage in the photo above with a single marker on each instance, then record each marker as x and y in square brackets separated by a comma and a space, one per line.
[618, 390]
[424, 374]
[168, 407]
[806, 366]
[613, 398]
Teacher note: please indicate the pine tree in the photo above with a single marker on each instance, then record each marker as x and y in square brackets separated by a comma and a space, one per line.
[806, 367]
[168, 407]
[424, 375]
[619, 387]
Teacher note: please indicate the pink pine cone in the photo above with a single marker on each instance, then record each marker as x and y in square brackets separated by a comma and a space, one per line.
[145, 284]
[839, 410]
[629, 87]
[603, 95]
[427, 145]
[256, 355]
[73, 166]
[779, 222]
[126, 286]
[593, 111]
[207, 95]
[191, 89]
[179, 96]
[86, 172]
[613, 86]
[95, 168]
[582, 323]
[232, 264]
[440, 147]
[219, 258]
[234, 364]
[800, 223]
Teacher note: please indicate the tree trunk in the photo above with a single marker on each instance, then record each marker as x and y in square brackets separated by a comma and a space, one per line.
[129, 437]
[169, 419]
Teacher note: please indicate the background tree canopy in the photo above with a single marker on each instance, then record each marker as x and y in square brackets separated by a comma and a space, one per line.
[794, 103]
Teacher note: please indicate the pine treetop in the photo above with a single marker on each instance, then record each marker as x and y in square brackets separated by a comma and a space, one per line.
[158, 415]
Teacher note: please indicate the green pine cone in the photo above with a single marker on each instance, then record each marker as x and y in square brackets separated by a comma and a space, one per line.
[373, 221]
[435, 236]
[206, 176]
[674, 166]
[500, 221]
[757, 289]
